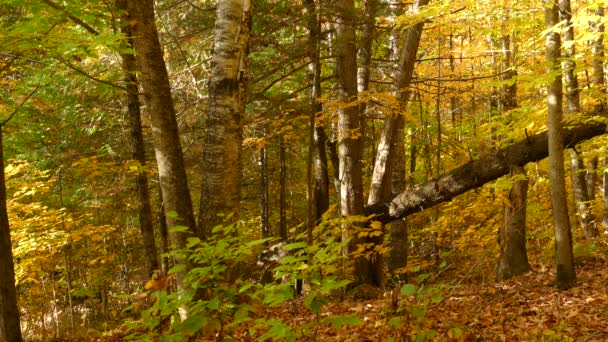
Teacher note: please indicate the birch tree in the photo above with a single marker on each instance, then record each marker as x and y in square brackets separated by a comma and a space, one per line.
[220, 193]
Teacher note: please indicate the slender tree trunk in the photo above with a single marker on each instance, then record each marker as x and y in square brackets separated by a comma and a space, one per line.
[364, 49]
[381, 178]
[137, 145]
[605, 194]
[572, 92]
[321, 172]
[591, 179]
[164, 234]
[10, 328]
[565, 276]
[508, 97]
[513, 259]
[599, 83]
[167, 147]
[282, 190]
[265, 219]
[581, 196]
[221, 176]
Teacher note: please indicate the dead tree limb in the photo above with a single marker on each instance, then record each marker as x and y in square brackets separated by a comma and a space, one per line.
[476, 173]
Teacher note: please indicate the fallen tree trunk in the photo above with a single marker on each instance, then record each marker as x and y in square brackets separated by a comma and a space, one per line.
[476, 173]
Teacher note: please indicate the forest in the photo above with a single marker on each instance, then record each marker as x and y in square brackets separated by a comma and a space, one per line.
[303, 170]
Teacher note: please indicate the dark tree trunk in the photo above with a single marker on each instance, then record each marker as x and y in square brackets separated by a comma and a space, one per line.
[157, 98]
[581, 196]
[476, 173]
[321, 172]
[513, 259]
[605, 194]
[137, 145]
[591, 178]
[565, 275]
[282, 190]
[10, 328]
[264, 215]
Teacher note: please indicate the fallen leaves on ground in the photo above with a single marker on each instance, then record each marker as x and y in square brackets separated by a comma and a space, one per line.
[524, 308]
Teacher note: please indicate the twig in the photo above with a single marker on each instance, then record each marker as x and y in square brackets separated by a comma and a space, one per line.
[20, 106]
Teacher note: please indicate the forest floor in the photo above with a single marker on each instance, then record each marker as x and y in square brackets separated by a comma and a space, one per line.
[525, 308]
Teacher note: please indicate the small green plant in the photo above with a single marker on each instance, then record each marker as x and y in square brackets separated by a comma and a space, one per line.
[213, 303]
[414, 301]
[320, 265]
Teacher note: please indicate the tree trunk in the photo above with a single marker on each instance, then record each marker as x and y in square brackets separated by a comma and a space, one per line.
[282, 191]
[565, 276]
[381, 177]
[513, 259]
[167, 147]
[508, 94]
[398, 229]
[137, 145]
[476, 173]
[264, 217]
[349, 129]
[572, 93]
[591, 179]
[605, 194]
[10, 328]
[221, 175]
[599, 83]
[581, 196]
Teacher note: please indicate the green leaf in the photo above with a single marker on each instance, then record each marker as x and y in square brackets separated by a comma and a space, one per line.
[191, 325]
[340, 321]
[179, 229]
[172, 214]
[422, 277]
[408, 289]
[192, 241]
[437, 298]
[394, 322]
[177, 268]
[295, 245]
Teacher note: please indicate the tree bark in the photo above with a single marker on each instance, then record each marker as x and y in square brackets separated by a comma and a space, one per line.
[167, 147]
[476, 173]
[605, 194]
[572, 91]
[381, 177]
[591, 178]
[10, 328]
[220, 193]
[282, 190]
[565, 276]
[349, 130]
[599, 83]
[513, 259]
[137, 144]
[581, 195]
[264, 213]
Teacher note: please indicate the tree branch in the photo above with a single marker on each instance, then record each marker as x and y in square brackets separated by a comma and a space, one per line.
[70, 16]
[476, 173]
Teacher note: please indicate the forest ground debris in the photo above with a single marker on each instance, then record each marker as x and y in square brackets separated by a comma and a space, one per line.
[524, 308]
